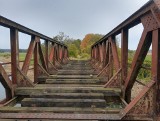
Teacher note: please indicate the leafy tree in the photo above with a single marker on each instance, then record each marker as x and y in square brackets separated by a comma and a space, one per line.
[73, 52]
[61, 37]
[88, 41]
[76, 47]
[73, 44]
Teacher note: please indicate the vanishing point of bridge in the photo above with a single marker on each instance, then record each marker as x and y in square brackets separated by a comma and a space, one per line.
[97, 89]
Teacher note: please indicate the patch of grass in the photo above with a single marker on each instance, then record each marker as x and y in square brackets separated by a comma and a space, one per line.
[7, 56]
[148, 58]
[22, 56]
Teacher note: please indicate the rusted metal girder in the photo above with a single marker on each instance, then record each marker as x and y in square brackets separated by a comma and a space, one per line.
[47, 53]
[124, 54]
[19, 76]
[14, 54]
[41, 55]
[149, 24]
[36, 61]
[149, 16]
[114, 53]
[7, 84]
[156, 65]
[11, 24]
[139, 57]
[28, 58]
[133, 20]
[52, 53]
[104, 54]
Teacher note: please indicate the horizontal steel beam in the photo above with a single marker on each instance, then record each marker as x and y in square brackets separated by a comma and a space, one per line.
[11, 24]
[133, 20]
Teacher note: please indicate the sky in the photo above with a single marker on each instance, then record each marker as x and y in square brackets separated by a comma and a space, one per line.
[75, 18]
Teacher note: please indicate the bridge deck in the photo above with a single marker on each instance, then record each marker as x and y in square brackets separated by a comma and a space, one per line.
[75, 92]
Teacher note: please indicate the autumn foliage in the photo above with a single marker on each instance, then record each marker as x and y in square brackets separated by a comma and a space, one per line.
[88, 41]
[79, 48]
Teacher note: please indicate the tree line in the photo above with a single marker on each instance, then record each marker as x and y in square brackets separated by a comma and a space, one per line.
[9, 50]
[81, 49]
[78, 48]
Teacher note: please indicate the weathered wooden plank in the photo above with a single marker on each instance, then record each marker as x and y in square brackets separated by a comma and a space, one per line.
[76, 73]
[69, 77]
[105, 91]
[77, 68]
[60, 116]
[59, 110]
[41, 120]
[72, 76]
[49, 102]
[69, 85]
[72, 81]
[68, 95]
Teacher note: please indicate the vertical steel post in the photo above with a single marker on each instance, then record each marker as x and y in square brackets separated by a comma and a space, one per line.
[101, 52]
[91, 53]
[110, 61]
[98, 53]
[115, 52]
[47, 52]
[104, 53]
[107, 53]
[124, 54]
[94, 52]
[58, 46]
[14, 54]
[61, 52]
[156, 65]
[36, 59]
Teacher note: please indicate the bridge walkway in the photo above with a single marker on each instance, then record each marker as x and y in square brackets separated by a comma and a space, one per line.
[75, 92]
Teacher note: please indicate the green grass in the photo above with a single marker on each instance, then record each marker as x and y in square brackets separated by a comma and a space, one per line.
[7, 56]
[148, 58]
[22, 56]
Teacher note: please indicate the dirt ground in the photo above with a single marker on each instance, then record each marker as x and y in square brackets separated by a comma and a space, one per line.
[136, 89]
[7, 67]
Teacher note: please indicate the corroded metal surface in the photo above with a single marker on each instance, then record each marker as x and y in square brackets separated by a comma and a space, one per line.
[157, 3]
[105, 61]
[149, 16]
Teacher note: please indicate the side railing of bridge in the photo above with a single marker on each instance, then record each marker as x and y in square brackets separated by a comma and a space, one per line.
[45, 59]
[105, 59]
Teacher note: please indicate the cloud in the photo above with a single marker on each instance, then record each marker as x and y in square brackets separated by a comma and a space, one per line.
[74, 17]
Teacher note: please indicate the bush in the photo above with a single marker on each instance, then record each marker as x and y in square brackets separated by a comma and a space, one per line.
[85, 56]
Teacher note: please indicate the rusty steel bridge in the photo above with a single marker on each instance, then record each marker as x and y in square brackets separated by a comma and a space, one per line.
[97, 89]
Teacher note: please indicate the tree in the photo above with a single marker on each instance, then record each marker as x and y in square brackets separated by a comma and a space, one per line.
[61, 37]
[73, 44]
[73, 52]
[88, 41]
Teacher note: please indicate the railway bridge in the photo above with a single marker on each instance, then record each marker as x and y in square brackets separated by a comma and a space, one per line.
[97, 89]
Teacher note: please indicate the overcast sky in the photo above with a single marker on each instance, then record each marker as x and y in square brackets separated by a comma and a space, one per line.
[75, 18]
